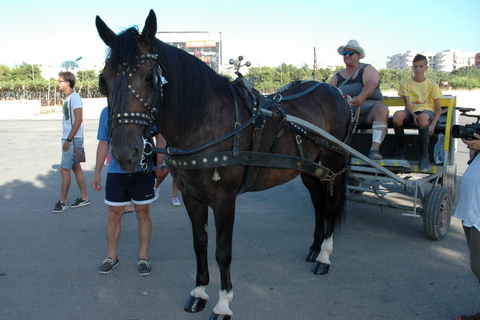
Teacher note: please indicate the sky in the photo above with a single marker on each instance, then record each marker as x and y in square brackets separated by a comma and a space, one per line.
[266, 32]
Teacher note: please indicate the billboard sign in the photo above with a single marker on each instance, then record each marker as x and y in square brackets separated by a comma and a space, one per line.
[204, 45]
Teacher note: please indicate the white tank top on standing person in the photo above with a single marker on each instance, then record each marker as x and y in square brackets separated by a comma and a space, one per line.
[71, 103]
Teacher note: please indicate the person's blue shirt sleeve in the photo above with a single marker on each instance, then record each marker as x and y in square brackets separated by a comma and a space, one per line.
[102, 133]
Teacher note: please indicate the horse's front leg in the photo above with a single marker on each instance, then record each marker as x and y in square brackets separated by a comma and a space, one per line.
[198, 213]
[318, 197]
[224, 220]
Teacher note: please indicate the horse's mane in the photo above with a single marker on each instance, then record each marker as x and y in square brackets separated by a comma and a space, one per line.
[191, 83]
[125, 48]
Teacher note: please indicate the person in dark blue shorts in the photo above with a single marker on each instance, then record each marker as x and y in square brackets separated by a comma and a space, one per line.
[122, 188]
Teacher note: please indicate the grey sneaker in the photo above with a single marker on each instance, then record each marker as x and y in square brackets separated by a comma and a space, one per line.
[375, 155]
[60, 207]
[144, 267]
[108, 265]
[176, 202]
[79, 202]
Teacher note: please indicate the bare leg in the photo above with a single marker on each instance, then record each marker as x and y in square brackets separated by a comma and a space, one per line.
[144, 228]
[65, 185]
[113, 229]
[174, 189]
[80, 177]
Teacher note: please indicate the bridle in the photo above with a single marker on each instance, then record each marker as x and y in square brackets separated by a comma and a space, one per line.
[150, 117]
[151, 113]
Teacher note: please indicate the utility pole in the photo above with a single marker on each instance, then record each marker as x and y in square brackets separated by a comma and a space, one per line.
[315, 67]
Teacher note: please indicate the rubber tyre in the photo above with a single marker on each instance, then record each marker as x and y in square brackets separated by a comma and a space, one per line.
[437, 213]
[449, 180]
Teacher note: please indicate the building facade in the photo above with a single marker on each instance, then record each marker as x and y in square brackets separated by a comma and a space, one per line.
[447, 60]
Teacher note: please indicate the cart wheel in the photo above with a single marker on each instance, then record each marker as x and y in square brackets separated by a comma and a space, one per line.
[449, 180]
[437, 213]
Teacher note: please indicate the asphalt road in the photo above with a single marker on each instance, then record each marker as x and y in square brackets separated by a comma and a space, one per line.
[383, 267]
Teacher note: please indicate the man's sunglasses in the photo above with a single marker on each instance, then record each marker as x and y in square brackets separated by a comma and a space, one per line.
[350, 53]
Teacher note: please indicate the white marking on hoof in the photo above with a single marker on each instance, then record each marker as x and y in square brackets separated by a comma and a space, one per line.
[326, 250]
[223, 302]
[200, 292]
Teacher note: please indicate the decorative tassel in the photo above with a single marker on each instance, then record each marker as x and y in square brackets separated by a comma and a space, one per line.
[216, 176]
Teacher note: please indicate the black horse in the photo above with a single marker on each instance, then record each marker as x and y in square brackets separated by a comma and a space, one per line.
[223, 139]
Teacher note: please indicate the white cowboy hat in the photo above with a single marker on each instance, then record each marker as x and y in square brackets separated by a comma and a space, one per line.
[352, 44]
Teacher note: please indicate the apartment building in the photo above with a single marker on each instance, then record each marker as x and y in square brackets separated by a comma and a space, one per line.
[447, 60]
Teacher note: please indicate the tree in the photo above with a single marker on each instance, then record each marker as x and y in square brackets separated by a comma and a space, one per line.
[25, 72]
[86, 75]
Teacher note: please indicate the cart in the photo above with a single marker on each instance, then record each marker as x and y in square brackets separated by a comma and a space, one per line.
[393, 183]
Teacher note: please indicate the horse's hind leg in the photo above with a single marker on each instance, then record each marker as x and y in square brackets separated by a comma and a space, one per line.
[198, 213]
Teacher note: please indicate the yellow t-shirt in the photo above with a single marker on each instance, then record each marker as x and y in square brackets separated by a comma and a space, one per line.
[421, 94]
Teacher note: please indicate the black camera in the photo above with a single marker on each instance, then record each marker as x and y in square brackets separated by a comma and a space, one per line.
[466, 131]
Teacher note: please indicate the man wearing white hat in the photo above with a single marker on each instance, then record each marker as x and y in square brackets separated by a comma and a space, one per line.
[362, 83]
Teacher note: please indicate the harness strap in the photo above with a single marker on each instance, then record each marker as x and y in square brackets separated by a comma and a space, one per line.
[176, 151]
[273, 149]
[300, 94]
[249, 158]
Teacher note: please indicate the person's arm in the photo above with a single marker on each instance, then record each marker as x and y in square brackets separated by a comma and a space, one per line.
[371, 77]
[160, 170]
[409, 109]
[102, 151]
[436, 116]
[334, 80]
[159, 143]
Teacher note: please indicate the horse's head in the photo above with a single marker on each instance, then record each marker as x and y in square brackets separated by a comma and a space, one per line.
[132, 81]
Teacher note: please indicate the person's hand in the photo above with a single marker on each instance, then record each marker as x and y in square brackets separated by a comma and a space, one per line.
[473, 144]
[161, 172]
[415, 120]
[356, 101]
[432, 128]
[66, 146]
[96, 184]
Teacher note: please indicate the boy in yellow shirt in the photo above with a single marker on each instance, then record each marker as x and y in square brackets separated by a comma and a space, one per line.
[422, 108]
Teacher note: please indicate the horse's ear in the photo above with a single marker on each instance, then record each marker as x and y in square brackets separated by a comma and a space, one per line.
[105, 32]
[150, 29]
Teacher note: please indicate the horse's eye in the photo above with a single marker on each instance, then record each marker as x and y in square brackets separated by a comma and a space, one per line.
[152, 78]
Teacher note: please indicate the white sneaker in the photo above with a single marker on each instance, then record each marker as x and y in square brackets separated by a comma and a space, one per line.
[176, 202]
